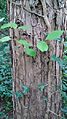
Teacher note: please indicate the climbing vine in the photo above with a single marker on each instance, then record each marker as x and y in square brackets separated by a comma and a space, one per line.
[41, 45]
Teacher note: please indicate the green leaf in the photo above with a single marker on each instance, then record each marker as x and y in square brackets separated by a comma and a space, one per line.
[64, 87]
[30, 52]
[9, 25]
[53, 57]
[54, 35]
[42, 86]
[25, 89]
[57, 59]
[4, 39]
[64, 110]
[42, 46]
[25, 27]
[65, 44]
[1, 19]
[24, 43]
[19, 94]
[60, 62]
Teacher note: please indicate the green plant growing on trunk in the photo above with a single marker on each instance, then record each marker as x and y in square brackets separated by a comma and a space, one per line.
[41, 45]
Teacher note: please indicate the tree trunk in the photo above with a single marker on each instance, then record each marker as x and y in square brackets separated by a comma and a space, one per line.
[43, 16]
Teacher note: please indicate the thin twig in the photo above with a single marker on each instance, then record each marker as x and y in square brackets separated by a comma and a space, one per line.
[32, 12]
[54, 113]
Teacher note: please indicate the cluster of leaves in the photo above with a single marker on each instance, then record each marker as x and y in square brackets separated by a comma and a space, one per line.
[41, 45]
[24, 91]
[5, 81]
[58, 60]
[64, 83]
[63, 64]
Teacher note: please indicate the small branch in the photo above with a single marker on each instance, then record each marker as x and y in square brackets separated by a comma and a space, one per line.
[54, 113]
[17, 3]
[54, 9]
[46, 20]
[42, 16]
[29, 11]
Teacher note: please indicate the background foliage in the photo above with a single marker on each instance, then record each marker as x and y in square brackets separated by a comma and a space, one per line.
[5, 71]
[3, 9]
[5, 81]
[64, 82]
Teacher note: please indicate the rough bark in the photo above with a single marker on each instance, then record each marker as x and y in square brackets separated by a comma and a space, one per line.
[44, 16]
